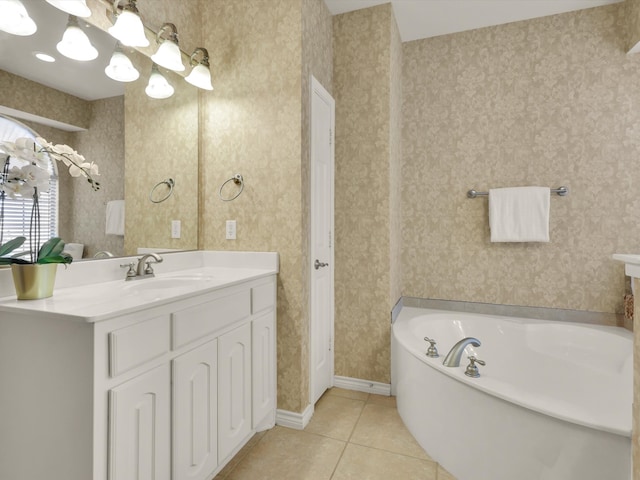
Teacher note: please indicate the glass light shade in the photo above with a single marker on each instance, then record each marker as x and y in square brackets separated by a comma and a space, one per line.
[76, 45]
[158, 86]
[121, 69]
[200, 77]
[74, 7]
[15, 20]
[169, 56]
[129, 30]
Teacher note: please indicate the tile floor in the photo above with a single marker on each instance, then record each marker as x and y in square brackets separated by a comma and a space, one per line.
[352, 435]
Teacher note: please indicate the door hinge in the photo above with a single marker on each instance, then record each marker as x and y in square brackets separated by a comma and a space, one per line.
[330, 239]
[330, 137]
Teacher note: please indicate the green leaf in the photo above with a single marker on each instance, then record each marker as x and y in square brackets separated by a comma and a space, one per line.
[63, 258]
[51, 248]
[11, 245]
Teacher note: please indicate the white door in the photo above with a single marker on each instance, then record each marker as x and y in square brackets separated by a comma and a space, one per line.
[195, 413]
[322, 166]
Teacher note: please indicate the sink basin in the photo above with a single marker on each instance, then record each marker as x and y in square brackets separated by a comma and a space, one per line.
[158, 285]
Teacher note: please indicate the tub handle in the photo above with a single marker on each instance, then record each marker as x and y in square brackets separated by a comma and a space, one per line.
[472, 368]
[432, 351]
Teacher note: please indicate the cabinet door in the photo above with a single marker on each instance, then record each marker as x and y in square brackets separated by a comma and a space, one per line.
[234, 389]
[263, 375]
[195, 410]
[139, 427]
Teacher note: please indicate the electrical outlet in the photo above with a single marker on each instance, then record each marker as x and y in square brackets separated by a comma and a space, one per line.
[231, 229]
[175, 228]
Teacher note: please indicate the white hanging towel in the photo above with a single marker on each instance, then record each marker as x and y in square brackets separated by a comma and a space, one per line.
[115, 217]
[519, 214]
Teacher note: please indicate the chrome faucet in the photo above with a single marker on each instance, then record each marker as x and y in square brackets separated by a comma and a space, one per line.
[453, 357]
[144, 266]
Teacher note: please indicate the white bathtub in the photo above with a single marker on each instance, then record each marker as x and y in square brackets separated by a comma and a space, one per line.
[552, 403]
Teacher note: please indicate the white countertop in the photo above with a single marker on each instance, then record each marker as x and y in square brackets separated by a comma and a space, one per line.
[88, 291]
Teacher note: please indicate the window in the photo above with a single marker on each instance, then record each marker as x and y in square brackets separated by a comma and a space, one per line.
[17, 211]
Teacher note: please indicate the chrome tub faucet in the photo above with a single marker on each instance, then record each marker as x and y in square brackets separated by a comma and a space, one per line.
[455, 354]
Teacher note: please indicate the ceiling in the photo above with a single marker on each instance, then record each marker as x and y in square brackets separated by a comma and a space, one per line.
[429, 18]
[416, 19]
[86, 80]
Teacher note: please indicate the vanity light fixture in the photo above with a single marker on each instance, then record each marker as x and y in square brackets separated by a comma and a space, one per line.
[200, 76]
[128, 27]
[158, 86]
[77, 7]
[168, 54]
[120, 67]
[75, 44]
[15, 20]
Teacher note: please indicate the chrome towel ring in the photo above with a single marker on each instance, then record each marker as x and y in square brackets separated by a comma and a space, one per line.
[238, 180]
[169, 183]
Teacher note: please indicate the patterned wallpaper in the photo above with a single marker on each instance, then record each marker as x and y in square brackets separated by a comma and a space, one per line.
[367, 151]
[251, 124]
[27, 96]
[103, 143]
[551, 101]
[161, 142]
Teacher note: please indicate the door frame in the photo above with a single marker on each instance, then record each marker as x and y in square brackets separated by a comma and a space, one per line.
[316, 88]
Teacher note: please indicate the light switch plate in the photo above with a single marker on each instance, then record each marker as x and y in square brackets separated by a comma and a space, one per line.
[175, 228]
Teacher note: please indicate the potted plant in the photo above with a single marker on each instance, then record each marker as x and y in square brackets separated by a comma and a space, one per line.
[24, 174]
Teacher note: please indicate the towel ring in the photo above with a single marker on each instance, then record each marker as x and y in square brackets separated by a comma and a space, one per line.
[169, 183]
[238, 180]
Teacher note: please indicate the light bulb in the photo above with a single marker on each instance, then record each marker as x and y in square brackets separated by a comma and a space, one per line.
[129, 30]
[121, 69]
[15, 20]
[168, 56]
[73, 7]
[158, 86]
[75, 44]
[200, 77]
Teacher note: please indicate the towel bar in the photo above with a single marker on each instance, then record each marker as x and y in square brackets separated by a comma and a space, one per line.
[561, 191]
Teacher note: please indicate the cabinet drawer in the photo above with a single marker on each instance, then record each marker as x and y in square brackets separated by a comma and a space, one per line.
[134, 345]
[196, 322]
[263, 297]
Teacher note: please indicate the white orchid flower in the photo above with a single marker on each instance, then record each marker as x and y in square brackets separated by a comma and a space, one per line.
[18, 189]
[36, 177]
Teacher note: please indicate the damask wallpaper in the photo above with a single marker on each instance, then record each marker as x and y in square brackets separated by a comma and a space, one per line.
[366, 48]
[551, 101]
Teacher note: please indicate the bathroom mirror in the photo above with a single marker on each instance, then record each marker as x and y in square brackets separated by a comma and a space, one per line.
[141, 157]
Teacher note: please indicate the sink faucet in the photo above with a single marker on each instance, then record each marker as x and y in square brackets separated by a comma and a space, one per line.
[453, 357]
[144, 266]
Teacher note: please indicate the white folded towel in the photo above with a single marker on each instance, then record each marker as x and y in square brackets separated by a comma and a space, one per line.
[115, 217]
[519, 214]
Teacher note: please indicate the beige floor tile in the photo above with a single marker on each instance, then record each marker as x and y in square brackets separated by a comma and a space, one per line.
[381, 427]
[341, 392]
[382, 400]
[335, 417]
[239, 456]
[444, 475]
[364, 463]
[286, 454]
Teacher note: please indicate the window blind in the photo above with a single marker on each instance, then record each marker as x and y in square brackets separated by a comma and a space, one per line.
[17, 212]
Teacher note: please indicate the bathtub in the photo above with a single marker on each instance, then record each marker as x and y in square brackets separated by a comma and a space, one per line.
[552, 403]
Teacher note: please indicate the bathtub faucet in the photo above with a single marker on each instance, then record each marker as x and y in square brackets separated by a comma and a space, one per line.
[453, 357]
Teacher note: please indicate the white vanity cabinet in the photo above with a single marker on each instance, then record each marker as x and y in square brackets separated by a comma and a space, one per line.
[169, 392]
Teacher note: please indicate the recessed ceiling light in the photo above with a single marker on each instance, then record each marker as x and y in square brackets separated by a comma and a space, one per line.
[44, 57]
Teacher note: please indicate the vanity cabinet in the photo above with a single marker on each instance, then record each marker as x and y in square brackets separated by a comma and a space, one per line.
[169, 392]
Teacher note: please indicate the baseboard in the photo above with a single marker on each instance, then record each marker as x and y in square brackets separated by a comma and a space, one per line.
[359, 385]
[294, 420]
